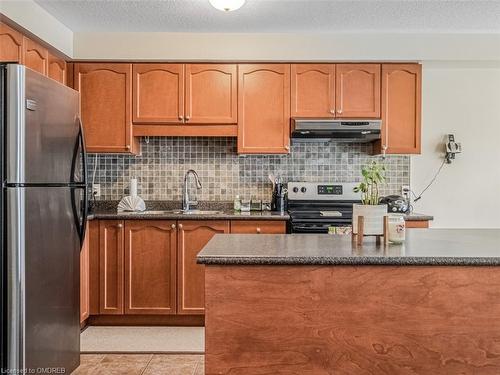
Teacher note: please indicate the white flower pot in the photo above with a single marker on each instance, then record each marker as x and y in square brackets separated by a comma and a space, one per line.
[373, 216]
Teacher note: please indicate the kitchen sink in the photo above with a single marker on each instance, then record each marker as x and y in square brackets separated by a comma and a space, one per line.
[174, 212]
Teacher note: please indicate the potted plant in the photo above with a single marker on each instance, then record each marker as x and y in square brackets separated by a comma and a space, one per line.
[373, 176]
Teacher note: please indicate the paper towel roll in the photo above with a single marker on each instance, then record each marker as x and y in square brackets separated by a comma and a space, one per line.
[133, 187]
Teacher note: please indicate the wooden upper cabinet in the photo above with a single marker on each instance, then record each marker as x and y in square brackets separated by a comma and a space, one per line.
[264, 108]
[111, 253]
[85, 280]
[158, 93]
[401, 108]
[192, 237]
[11, 44]
[313, 90]
[105, 102]
[57, 69]
[358, 90]
[211, 94]
[150, 267]
[35, 56]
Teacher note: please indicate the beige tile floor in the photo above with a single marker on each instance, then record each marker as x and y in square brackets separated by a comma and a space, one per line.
[140, 364]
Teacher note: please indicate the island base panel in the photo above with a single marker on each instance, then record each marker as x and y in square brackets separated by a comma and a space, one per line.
[352, 320]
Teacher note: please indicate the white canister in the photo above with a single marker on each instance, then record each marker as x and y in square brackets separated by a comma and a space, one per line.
[397, 228]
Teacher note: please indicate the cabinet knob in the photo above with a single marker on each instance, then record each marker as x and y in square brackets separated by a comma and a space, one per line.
[127, 147]
[332, 111]
[119, 225]
[339, 111]
[187, 118]
[180, 226]
[258, 230]
[287, 147]
[173, 226]
[181, 118]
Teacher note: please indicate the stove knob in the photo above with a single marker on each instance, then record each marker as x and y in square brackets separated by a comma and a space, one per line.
[303, 189]
[295, 189]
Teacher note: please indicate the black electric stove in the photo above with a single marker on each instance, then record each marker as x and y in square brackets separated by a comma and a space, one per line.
[321, 207]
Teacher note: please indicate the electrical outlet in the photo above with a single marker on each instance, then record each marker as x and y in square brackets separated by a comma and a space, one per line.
[96, 190]
[405, 191]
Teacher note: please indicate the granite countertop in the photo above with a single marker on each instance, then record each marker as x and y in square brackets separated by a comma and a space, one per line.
[107, 210]
[457, 247]
[414, 216]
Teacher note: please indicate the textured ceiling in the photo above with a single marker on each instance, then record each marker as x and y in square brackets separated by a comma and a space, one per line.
[278, 15]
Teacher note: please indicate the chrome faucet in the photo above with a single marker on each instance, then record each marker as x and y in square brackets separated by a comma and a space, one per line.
[185, 194]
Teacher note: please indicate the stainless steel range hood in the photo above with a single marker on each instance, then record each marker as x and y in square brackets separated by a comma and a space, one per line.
[342, 130]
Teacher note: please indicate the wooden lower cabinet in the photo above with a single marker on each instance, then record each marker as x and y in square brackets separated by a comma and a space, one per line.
[111, 254]
[258, 227]
[417, 224]
[84, 280]
[192, 237]
[150, 267]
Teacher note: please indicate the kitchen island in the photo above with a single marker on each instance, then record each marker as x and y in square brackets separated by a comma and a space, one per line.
[319, 304]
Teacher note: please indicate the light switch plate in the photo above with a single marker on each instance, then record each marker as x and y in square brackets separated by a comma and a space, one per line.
[405, 191]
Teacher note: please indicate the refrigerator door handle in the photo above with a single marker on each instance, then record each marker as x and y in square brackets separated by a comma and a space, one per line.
[80, 217]
[85, 207]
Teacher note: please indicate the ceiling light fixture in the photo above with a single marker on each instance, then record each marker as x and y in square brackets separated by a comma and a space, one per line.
[227, 5]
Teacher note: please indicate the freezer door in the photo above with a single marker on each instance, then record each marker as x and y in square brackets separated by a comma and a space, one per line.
[42, 129]
[43, 252]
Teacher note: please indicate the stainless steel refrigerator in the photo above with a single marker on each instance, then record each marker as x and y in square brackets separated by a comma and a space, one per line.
[43, 210]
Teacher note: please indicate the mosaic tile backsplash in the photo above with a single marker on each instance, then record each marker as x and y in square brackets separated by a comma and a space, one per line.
[224, 174]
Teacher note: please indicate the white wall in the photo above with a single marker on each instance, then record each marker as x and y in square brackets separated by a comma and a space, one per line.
[263, 47]
[463, 99]
[38, 21]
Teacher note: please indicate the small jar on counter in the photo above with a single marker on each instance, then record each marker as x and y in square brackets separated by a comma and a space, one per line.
[245, 205]
[397, 228]
[237, 203]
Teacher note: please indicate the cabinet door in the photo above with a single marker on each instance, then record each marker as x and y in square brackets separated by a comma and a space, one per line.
[35, 56]
[264, 108]
[313, 90]
[358, 90]
[158, 93]
[211, 94]
[105, 97]
[401, 106]
[150, 267]
[111, 251]
[84, 280]
[258, 227]
[193, 236]
[57, 69]
[11, 44]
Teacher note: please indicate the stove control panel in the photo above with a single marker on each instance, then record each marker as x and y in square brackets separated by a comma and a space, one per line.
[321, 191]
[330, 189]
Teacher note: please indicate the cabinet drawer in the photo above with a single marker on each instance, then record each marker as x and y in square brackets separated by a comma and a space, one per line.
[258, 226]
